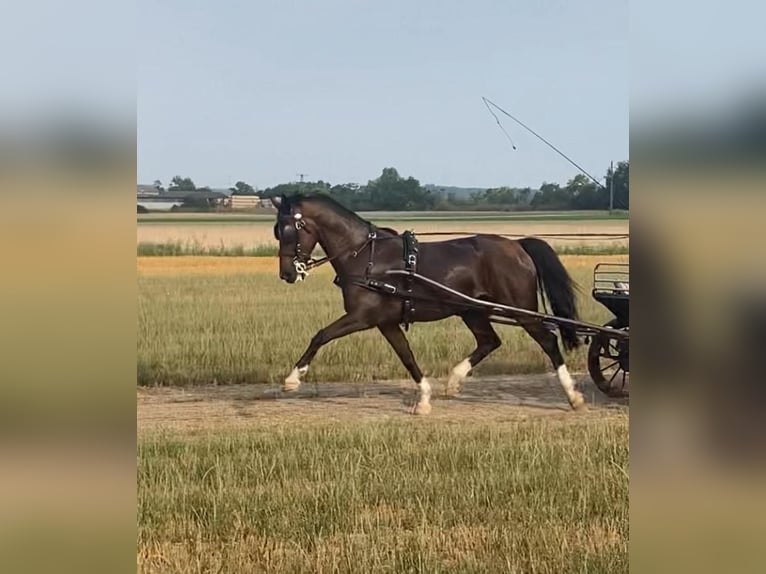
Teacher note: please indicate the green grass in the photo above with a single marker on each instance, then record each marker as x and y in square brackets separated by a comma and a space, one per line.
[186, 248]
[543, 496]
[252, 328]
[196, 248]
[584, 249]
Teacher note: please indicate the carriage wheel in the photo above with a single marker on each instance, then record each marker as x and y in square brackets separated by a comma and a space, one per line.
[608, 364]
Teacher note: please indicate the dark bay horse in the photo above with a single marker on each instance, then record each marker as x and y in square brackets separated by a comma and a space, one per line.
[486, 267]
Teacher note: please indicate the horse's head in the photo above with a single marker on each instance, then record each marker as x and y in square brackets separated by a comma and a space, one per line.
[297, 239]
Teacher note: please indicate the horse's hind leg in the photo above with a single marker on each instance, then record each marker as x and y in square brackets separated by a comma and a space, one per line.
[550, 344]
[395, 337]
[486, 342]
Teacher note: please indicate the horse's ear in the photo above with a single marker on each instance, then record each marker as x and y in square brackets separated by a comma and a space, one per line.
[276, 201]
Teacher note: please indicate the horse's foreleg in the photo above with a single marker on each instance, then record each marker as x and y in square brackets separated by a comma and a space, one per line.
[394, 335]
[344, 326]
[486, 342]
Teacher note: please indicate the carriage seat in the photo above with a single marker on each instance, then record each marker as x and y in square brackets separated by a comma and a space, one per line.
[622, 288]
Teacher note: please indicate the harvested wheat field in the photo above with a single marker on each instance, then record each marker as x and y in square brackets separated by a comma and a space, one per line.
[249, 234]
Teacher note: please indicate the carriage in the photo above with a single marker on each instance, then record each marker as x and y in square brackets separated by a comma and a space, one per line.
[608, 357]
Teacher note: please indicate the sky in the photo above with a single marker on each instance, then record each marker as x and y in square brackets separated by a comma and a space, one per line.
[338, 90]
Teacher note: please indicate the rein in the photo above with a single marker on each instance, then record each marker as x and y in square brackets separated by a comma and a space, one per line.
[303, 267]
[371, 237]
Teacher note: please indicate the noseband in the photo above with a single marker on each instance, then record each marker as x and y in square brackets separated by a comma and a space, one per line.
[301, 263]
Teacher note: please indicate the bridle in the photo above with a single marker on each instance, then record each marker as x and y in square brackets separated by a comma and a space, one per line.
[304, 263]
[301, 261]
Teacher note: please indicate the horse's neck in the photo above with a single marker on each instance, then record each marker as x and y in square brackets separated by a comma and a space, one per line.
[339, 234]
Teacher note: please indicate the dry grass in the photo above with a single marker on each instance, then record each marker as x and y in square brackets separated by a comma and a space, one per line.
[249, 235]
[230, 320]
[231, 480]
[545, 496]
[159, 266]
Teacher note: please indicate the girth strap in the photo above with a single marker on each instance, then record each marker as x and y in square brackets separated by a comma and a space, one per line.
[410, 247]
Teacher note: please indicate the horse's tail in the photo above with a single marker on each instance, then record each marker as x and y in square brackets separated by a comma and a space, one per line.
[553, 279]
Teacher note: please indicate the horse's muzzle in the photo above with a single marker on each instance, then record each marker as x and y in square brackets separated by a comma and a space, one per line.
[288, 277]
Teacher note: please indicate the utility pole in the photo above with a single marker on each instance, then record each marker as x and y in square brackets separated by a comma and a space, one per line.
[301, 175]
[611, 188]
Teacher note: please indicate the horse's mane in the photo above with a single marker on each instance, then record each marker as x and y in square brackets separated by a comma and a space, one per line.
[338, 208]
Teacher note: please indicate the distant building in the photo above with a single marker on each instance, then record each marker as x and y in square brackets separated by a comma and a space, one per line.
[244, 201]
[152, 199]
[148, 190]
[249, 201]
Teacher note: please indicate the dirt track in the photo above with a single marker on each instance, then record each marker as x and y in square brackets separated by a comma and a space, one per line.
[496, 398]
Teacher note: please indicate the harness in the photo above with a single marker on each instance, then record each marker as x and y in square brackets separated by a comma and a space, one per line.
[371, 237]
[410, 258]
[410, 244]
[304, 263]
[312, 263]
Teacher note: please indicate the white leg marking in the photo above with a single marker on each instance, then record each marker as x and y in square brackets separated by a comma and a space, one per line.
[462, 368]
[575, 397]
[458, 374]
[293, 380]
[423, 406]
[565, 379]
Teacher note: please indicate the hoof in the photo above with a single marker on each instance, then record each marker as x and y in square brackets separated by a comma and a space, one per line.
[422, 409]
[457, 376]
[293, 380]
[578, 403]
[454, 386]
[452, 389]
[290, 386]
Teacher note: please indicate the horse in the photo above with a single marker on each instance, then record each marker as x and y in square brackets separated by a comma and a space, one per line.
[486, 267]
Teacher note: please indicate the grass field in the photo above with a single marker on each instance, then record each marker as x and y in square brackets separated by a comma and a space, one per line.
[243, 216]
[233, 234]
[231, 320]
[233, 479]
[545, 496]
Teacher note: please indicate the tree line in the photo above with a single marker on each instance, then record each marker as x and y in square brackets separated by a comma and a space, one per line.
[180, 183]
[393, 192]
